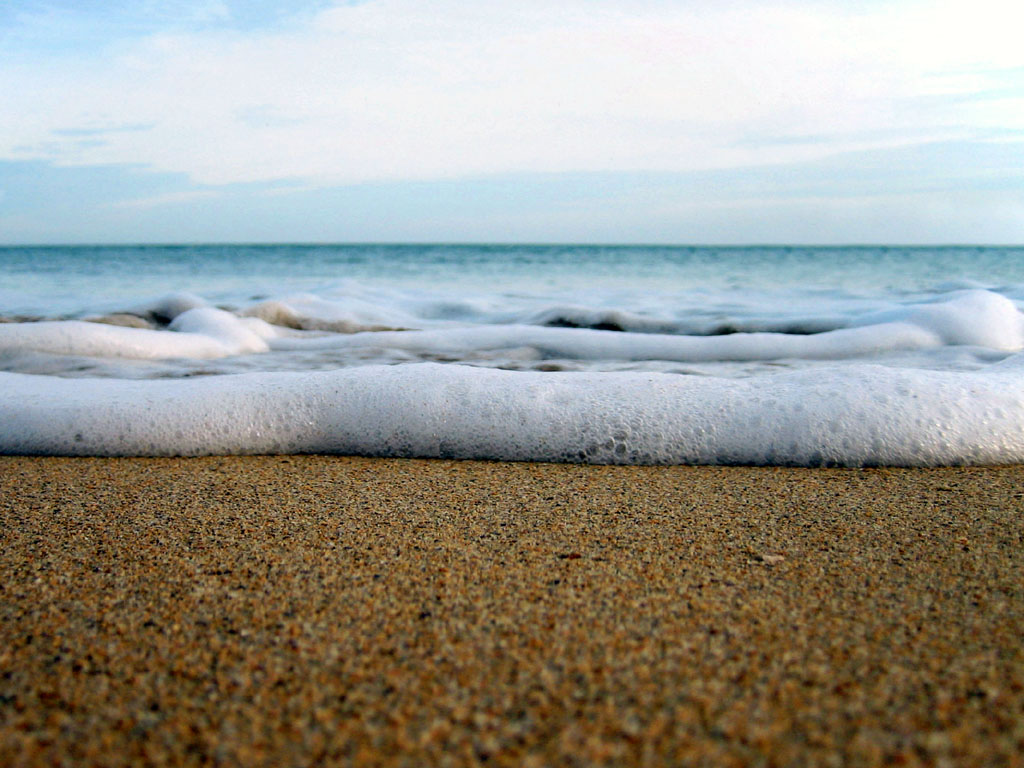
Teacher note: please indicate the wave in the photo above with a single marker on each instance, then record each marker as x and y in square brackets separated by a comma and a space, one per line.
[845, 409]
[855, 416]
[183, 327]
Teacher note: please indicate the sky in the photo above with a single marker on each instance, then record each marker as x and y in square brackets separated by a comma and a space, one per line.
[639, 121]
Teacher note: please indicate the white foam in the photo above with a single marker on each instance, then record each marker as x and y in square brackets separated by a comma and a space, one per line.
[966, 318]
[975, 318]
[962, 331]
[854, 415]
[587, 344]
[201, 333]
[238, 335]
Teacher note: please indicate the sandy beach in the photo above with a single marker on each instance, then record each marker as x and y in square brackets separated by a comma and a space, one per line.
[301, 609]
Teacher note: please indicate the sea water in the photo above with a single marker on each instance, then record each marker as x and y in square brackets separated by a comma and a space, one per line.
[640, 354]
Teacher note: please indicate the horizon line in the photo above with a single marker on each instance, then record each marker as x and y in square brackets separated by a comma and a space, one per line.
[493, 243]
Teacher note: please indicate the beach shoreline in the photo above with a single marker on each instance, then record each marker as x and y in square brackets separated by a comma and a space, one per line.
[294, 609]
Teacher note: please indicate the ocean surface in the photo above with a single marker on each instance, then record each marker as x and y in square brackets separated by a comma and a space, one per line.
[847, 356]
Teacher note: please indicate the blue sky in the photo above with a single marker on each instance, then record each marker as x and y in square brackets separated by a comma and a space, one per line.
[693, 121]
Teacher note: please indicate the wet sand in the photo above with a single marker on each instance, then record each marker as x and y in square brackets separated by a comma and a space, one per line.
[296, 610]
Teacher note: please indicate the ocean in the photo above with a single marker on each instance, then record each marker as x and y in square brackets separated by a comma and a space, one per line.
[818, 356]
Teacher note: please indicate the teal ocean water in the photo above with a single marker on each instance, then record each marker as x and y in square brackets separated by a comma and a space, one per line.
[47, 281]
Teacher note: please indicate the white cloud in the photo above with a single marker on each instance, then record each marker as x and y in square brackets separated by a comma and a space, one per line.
[405, 89]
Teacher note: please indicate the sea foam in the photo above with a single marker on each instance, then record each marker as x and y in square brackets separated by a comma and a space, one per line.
[200, 333]
[855, 416]
[974, 317]
[834, 406]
